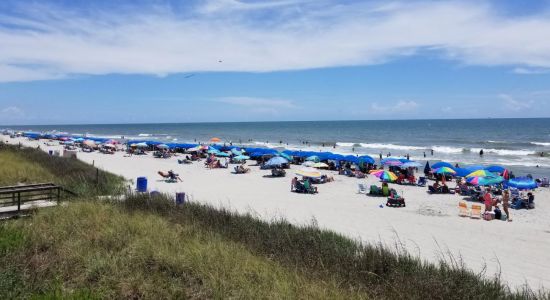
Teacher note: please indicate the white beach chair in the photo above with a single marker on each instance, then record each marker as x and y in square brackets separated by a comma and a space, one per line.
[362, 189]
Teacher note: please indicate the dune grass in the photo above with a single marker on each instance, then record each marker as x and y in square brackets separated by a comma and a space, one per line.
[99, 249]
[26, 165]
[146, 247]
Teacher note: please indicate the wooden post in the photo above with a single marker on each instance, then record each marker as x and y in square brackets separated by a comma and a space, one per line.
[93, 162]
[18, 201]
[97, 176]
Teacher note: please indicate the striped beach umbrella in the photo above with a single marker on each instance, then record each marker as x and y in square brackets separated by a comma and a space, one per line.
[484, 181]
[384, 175]
[445, 171]
[480, 173]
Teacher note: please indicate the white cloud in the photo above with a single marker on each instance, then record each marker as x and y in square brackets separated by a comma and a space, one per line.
[510, 103]
[530, 71]
[12, 111]
[49, 42]
[399, 107]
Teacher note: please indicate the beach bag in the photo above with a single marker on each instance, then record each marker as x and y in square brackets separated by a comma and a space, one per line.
[498, 214]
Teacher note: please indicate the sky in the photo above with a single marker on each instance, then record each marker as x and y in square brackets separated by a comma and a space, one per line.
[92, 62]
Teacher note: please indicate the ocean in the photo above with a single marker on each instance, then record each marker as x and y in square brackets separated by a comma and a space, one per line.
[523, 145]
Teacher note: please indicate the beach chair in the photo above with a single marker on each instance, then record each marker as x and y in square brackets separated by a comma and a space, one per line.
[362, 189]
[463, 209]
[476, 211]
[545, 182]
[421, 181]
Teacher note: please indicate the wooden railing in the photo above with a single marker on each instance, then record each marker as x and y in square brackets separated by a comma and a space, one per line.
[21, 194]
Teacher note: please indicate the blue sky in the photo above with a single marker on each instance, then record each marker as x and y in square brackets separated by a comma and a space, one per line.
[226, 60]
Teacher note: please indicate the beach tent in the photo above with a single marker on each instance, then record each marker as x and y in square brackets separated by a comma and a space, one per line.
[236, 151]
[440, 164]
[521, 183]
[162, 146]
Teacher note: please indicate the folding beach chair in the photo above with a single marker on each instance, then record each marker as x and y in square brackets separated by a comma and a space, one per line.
[476, 211]
[362, 189]
[463, 209]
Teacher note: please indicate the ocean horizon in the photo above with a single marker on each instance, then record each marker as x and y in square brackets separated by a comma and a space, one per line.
[522, 144]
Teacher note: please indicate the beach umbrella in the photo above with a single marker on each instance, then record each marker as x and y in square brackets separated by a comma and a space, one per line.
[351, 158]
[141, 145]
[308, 164]
[427, 168]
[440, 164]
[320, 165]
[314, 158]
[412, 164]
[391, 162]
[215, 140]
[241, 157]
[484, 181]
[480, 173]
[109, 146]
[68, 143]
[111, 141]
[237, 151]
[384, 175]
[284, 155]
[522, 183]
[445, 171]
[222, 154]
[89, 143]
[366, 159]
[276, 161]
[162, 146]
[496, 169]
[213, 151]
[462, 172]
[307, 172]
[77, 140]
[194, 149]
[336, 157]
[64, 138]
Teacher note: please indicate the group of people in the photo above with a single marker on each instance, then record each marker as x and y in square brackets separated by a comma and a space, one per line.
[302, 186]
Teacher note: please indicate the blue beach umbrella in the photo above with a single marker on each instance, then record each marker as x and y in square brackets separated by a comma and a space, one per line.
[314, 158]
[391, 161]
[522, 183]
[284, 155]
[440, 164]
[241, 157]
[366, 159]
[412, 164]
[222, 154]
[496, 169]
[276, 161]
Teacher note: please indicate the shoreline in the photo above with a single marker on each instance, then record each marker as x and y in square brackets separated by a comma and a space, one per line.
[429, 226]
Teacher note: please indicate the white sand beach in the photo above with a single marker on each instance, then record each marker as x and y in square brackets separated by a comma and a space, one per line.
[429, 226]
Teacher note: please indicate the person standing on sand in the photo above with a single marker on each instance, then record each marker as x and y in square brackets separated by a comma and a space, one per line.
[380, 155]
[293, 183]
[481, 152]
[432, 152]
[506, 204]
[424, 154]
[488, 200]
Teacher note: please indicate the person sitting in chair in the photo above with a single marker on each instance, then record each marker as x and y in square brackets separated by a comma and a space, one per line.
[174, 176]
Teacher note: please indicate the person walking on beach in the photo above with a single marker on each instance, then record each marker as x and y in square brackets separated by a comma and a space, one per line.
[432, 152]
[481, 152]
[506, 204]
[424, 154]
[380, 155]
[408, 156]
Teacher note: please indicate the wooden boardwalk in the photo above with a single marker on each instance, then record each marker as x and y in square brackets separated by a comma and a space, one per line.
[20, 198]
